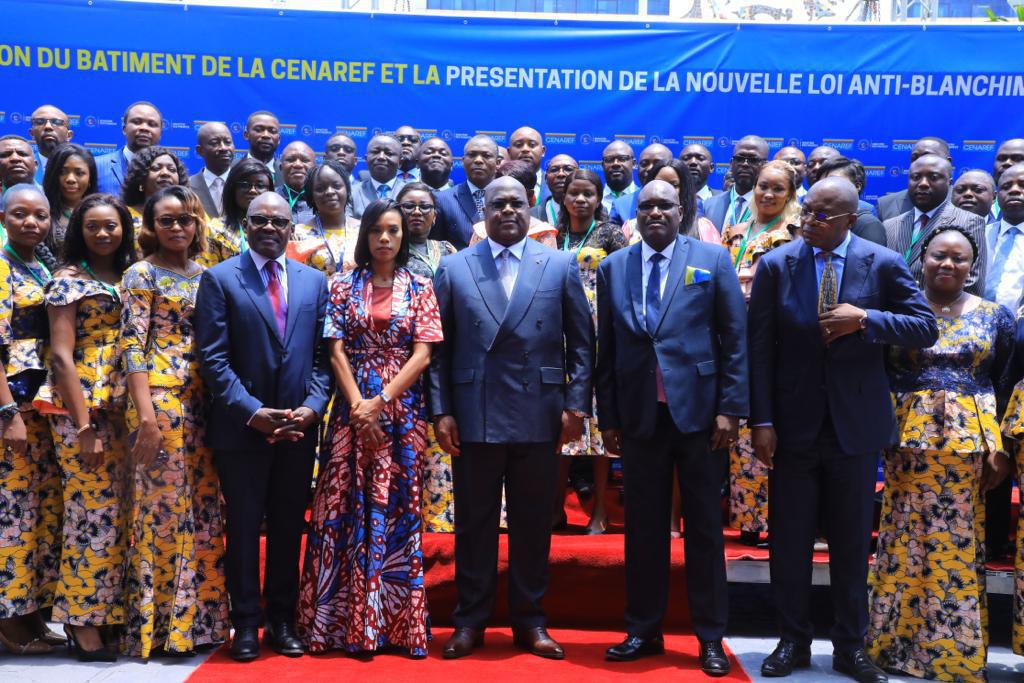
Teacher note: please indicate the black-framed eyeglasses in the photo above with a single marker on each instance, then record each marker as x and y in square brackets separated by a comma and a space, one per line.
[251, 185]
[820, 217]
[334, 149]
[663, 207]
[621, 159]
[56, 123]
[407, 138]
[744, 160]
[409, 207]
[185, 220]
[258, 220]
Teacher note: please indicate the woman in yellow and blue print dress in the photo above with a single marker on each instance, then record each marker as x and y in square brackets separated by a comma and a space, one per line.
[175, 595]
[928, 609]
[30, 501]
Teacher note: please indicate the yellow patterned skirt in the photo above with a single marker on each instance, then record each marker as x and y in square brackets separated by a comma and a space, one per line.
[30, 521]
[1013, 427]
[175, 594]
[93, 549]
[437, 501]
[928, 614]
[748, 485]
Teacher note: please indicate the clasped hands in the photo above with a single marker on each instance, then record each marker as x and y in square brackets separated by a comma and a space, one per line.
[839, 321]
[363, 417]
[283, 424]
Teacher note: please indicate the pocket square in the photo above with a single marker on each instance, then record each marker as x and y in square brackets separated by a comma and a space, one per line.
[695, 276]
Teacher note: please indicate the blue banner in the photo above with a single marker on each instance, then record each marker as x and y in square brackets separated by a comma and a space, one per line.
[868, 90]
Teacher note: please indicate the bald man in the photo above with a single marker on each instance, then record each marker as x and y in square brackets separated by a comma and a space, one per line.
[527, 144]
[296, 161]
[624, 208]
[383, 155]
[50, 127]
[463, 205]
[617, 162]
[734, 206]
[216, 148]
[822, 310]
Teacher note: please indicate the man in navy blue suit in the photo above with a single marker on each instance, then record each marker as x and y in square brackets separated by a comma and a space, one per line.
[259, 321]
[463, 205]
[509, 385]
[142, 126]
[671, 387]
[822, 310]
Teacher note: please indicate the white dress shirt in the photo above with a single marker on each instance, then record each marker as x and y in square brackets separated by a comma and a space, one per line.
[646, 252]
[732, 217]
[1007, 292]
[282, 270]
[216, 188]
[391, 186]
[517, 255]
[705, 193]
[611, 195]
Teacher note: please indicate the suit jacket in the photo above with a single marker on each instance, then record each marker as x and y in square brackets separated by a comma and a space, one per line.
[699, 344]
[456, 214]
[198, 184]
[716, 208]
[243, 359]
[624, 207]
[900, 230]
[364, 194]
[540, 211]
[111, 169]
[893, 204]
[795, 380]
[506, 373]
[868, 227]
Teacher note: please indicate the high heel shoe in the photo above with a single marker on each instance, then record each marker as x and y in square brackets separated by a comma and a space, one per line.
[103, 654]
[36, 646]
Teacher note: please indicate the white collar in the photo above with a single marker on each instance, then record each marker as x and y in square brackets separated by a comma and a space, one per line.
[268, 164]
[931, 214]
[209, 176]
[260, 260]
[839, 251]
[376, 185]
[647, 251]
[1004, 225]
[128, 154]
[516, 249]
[473, 189]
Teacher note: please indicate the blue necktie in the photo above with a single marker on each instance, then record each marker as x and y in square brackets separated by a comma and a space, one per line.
[653, 298]
[383, 191]
[999, 262]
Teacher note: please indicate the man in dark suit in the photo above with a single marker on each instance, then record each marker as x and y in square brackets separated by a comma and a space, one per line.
[928, 188]
[868, 226]
[671, 387]
[216, 148]
[624, 208]
[728, 208]
[818, 156]
[894, 204]
[408, 161]
[463, 205]
[49, 128]
[142, 126]
[297, 160]
[698, 159]
[263, 133]
[259, 321]
[822, 310]
[509, 385]
[382, 155]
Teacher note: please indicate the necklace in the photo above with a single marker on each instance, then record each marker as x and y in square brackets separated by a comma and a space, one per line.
[946, 308]
[31, 271]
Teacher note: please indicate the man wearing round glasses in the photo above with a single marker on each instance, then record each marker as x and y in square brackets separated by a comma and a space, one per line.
[259, 318]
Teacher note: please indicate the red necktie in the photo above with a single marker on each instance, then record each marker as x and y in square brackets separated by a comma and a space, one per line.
[276, 294]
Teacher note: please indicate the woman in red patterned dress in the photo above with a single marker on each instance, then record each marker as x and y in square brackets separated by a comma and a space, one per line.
[362, 579]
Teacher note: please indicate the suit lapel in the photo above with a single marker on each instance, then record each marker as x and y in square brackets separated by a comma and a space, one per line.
[801, 269]
[855, 272]
[118, 167]
[676, 268]
[295, 282]
[634, 278]
[252, 283]
[485, 274]
[369, 193]
[465, 198]
[531, 268]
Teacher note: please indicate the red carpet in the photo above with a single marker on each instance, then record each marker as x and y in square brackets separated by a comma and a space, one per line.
[497, 660]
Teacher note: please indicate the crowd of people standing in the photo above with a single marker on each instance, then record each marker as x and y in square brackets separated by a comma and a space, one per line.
[185, 355]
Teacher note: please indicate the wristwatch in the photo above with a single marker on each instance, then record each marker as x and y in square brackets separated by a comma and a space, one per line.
[384, 396]
[8, 411]
[864, 321]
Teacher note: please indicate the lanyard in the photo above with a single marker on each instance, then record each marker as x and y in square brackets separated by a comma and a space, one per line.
[327, 244]
[914, 239]
[110, 290]
[565, 243]
[293, 196]
[743, 244]
[732, 202]
[243, 243]
[551, 212]
[31, 271]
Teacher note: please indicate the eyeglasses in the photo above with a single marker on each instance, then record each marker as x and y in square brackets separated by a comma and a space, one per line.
[250, 185]
[820, 217]
[56, 123]
[334, 149]
[621, 159]
[185, 220]
[409, 207]
[501, 204]
[741, 160]
[407, 138]
[663, 207]
[566, 169]
[258, 220]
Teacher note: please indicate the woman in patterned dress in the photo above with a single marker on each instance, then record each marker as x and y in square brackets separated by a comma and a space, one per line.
[584, 229]
[175, 595]
[246, 180]
[928, 609]
[416, 200]
[150, 170]
[70, 177]
[1013, 438]
[329, 243]
[84, 398]
[775, 208]
[30, 500]
[362, 580]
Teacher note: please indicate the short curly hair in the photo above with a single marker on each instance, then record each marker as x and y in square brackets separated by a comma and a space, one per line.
[951, 228]
[134, 191]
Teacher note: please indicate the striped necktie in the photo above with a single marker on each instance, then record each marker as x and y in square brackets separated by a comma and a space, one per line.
[828, 290]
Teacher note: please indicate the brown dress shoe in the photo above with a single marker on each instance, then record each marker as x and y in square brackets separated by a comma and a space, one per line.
[537, 641]
[462, 642]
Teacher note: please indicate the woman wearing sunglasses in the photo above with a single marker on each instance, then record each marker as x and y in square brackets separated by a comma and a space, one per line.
[246, 180]
[175, 595]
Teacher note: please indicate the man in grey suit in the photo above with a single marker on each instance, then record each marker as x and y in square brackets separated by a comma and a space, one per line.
[216, 147]
[728, 208]
[928, 189]
[510, 384]
[382, 157]
[896, 203]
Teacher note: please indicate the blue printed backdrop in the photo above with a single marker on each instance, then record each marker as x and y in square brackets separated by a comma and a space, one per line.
[878, 129]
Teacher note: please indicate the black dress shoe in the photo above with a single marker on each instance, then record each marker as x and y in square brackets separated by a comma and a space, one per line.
[245, 646]
[751, 538]
[786, 656]
[280, 637]
[635, 647]
[462, 642]
[858, 666]
[713, 660]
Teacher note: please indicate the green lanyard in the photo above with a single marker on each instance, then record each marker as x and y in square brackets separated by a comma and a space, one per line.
[743, 244]
[243, 243]
[913, 240]
[293, 196]
[327, 245]
[109, 289]
[565, 242]
[551, 212]
[35, 276]
[732, 200]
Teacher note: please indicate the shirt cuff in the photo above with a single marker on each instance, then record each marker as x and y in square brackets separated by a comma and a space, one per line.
[763, 424]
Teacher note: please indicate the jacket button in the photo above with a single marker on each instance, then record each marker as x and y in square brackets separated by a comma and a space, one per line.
[477, 323]
[526, 383]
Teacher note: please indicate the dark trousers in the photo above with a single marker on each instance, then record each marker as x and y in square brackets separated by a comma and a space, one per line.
[647, 477]
[997, 515]
[271, 482]
[530, 471]
[822, 483]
